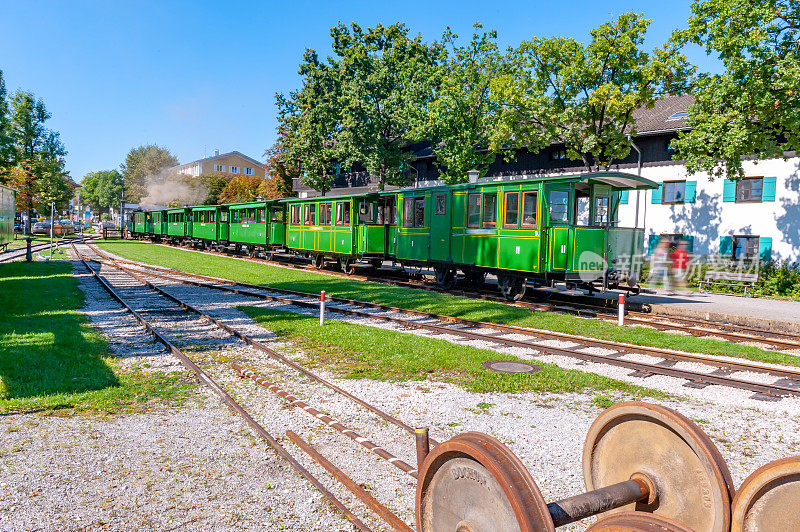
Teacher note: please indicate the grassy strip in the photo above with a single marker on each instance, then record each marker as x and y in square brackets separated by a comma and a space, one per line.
[352, 351]
[439, 303]
[50, 359]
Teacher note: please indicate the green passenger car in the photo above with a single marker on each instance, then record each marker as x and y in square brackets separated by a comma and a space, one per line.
[8, 206]
[248, 225]
[323, 227]
[158, 223]
[178, 224]
[139, 223]
[210, 224]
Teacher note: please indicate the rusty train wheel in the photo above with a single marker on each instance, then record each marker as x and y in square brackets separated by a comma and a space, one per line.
[692, 482]
[474, 483]
[769, 499]
[637, 522]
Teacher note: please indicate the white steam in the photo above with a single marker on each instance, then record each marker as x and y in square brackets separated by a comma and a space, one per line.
[172, 189]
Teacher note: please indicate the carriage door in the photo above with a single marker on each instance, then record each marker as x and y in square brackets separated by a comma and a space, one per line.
[440, 226]
[557, 206]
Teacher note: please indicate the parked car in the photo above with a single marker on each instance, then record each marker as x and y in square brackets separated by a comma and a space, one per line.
[41, 228]
[63, 227]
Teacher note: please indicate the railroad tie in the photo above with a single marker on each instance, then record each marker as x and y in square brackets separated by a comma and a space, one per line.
[364, 442]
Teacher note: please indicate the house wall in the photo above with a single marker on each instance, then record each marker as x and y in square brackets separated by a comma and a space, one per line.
[207, 167]
[709, 218]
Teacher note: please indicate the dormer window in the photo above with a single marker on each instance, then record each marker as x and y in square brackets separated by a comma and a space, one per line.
[678, 116]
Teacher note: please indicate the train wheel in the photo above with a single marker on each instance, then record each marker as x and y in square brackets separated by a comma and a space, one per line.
[269, 255]
[347, 265]
[237, 248]
[445, 277]
[376, 263]
[769, 498]
[251, 252]
[511, 287]
[318, 261]
[474, 276]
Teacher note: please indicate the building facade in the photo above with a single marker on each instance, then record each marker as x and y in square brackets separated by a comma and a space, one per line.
[230, 164]
[757, 216]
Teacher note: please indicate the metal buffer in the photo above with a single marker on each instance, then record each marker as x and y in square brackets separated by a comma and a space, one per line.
[637, 457]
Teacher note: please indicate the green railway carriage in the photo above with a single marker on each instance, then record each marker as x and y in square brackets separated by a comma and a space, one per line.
[209, 224]
[323, 227]
[248, 224]
[139, 224]
[8, 206]
[158, 223]
[178, 223]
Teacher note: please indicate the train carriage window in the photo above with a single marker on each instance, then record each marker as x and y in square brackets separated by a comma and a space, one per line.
[328, 212]
[559, 206]
[276, 213]
[474, 210]
[440, 205]
[511, 209]
[295, 215]
[490, 210]
[365, 211]
[529, 205]
[408, 212]
[339, 214]
[313, 219]
[223, 216]
[262, 217]
[419, 212]
[346, 213]
[600, 210]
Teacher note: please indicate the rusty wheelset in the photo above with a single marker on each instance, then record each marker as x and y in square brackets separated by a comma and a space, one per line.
[649, 467]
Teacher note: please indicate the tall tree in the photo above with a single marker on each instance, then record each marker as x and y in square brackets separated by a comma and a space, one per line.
[241, 188]
[753, 106]
[143, 162]
[386, 81]
[38, 155]
[583, 96]
[6, 142]
[102, 189]
[280, 173]
[463, 111]
[214, 185]
[310, 120]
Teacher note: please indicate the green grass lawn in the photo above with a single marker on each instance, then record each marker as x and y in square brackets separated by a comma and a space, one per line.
[50, 359]
[238, 270]
[351, 351]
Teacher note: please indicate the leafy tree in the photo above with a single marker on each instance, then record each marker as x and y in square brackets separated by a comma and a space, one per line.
[752, 107]
[102, 189]
[386, 81]
[6, 142]
[38, 155]
[462, 113]
[310, 120]
[143, 162]
[279, 174]
[214, 184]
[583, 96]
[241, 188]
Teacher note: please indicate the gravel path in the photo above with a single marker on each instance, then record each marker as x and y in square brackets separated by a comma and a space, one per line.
[128, 471]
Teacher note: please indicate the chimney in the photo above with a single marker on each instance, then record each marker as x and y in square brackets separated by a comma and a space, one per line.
[473, 175]
[216, 152]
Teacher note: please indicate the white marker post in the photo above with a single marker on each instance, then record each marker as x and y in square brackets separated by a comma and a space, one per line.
[621, 310]
[322, 307]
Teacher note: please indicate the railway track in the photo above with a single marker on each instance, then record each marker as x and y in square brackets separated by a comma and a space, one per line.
[8, 256]
[698, 328]
[661, 361]
[126, 288]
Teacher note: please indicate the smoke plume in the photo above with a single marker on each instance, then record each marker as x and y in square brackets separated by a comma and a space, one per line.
[172, 189]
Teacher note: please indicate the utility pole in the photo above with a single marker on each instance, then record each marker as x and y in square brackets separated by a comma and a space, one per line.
[52, 223]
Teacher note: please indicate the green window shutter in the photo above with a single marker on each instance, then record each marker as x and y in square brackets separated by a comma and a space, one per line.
[729, 190]
[657, 193]
[652, 243]
[623, 197]
[765, 247]
[691, 192]
[689, 243]
[725, 245]
[768, 190]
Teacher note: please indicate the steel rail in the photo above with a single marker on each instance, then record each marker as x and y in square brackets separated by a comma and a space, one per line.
[350, 433]
[386, 514]
[732, 365]
[600, 313]
[227, 399]
[270, 352]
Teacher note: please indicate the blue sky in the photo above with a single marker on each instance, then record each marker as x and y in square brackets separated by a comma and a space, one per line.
[196, 76]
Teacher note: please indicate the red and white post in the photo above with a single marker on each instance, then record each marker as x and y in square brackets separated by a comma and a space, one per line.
[621, 310]
[322, 307]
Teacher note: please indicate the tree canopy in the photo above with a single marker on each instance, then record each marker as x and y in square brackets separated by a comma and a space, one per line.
[6, 142]
[752, 107]
[280, 173]
[143, 162]
[560, 91]
[102, 189]
[241, 188]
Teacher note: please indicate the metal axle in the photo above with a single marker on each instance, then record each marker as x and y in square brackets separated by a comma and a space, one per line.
[598, 501]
